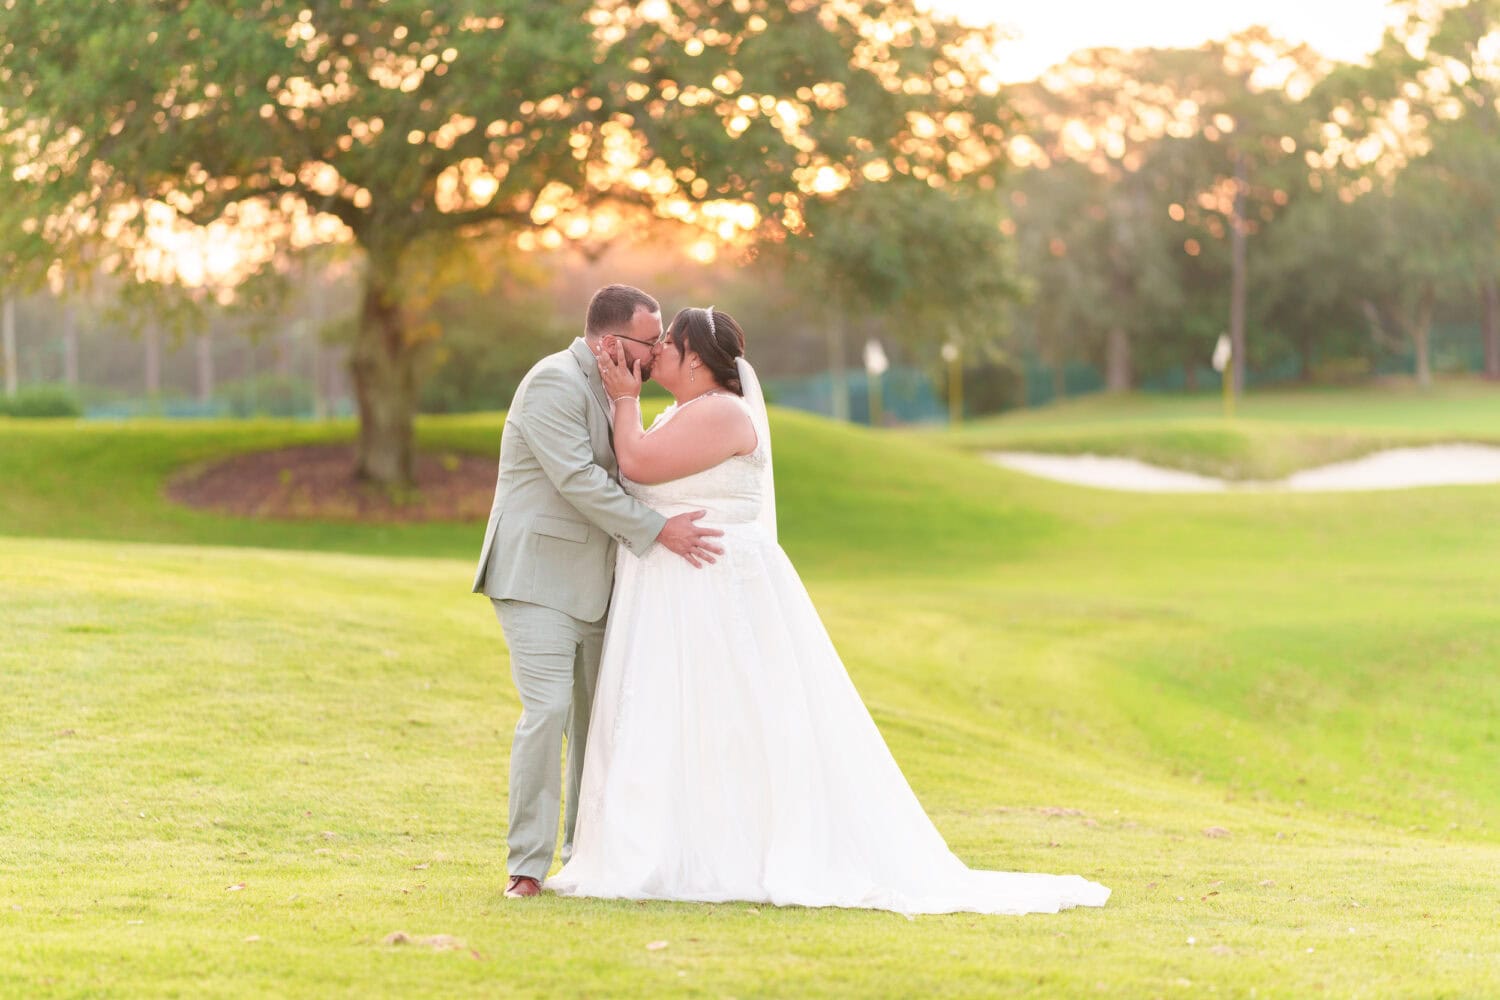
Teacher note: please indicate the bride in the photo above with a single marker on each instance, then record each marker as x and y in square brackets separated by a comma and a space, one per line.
[730, 757]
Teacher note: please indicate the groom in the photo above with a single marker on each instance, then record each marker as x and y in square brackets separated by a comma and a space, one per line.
[548, 562]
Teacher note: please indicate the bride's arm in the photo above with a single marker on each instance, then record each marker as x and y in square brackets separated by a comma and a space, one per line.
[715, 428]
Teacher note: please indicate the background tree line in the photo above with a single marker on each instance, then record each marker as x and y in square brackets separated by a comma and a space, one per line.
[829, 172]
[1328, 217]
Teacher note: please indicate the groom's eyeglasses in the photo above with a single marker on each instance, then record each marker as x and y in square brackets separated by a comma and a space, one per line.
[637, 340]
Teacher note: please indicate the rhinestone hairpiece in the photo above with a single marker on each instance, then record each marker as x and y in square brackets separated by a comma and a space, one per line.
[709, 312]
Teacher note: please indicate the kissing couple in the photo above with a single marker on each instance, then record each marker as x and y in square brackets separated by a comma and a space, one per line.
[716, 747]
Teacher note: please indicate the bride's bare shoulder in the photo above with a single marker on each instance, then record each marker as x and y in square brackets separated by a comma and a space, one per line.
[719, 414]
[713, 406]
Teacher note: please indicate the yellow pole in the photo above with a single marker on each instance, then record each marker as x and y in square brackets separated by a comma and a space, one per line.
[1229, 389]
[955, 384]
[875, 401]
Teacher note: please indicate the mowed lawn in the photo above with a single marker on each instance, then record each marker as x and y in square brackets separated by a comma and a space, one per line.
[1274, 432]
[241, 755]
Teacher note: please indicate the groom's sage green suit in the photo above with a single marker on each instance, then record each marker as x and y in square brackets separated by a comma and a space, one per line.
[548, 564]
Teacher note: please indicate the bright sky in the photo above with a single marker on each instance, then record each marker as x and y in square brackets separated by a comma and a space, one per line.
[1047, 31]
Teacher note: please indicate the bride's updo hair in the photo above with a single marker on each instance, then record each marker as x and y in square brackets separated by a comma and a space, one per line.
[718, 343]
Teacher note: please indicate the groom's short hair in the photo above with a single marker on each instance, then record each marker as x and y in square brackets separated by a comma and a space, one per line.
[613, 307]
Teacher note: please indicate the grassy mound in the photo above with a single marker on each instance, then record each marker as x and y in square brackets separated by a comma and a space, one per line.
[846, 499]
[243, 755]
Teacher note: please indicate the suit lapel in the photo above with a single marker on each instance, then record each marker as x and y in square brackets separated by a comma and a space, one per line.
[590, 368]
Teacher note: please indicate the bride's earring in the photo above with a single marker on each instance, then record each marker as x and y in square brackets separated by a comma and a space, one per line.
[693, 374]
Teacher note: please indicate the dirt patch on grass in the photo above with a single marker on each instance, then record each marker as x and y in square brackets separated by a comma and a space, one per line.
[316, 482]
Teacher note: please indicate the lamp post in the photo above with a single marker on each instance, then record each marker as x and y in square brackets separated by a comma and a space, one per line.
[955, 383]
[838, 384]
[8, 334]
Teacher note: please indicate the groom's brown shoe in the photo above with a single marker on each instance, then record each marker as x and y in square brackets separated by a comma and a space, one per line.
[522, 886]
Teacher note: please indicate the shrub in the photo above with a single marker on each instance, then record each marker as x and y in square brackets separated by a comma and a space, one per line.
[41, 401]
[268, 396]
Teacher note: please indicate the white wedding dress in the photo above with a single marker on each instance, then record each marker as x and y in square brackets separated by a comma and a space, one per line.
[729, 755]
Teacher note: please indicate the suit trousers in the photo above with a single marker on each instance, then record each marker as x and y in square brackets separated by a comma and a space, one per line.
[554, 661]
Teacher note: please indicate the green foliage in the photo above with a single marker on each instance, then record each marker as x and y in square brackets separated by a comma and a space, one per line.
[932, 263]
[491, 336]
[1434, 223]
[1309, 285]
[1125, 238]
[1368, 193]
[41, 401]
[988, 388]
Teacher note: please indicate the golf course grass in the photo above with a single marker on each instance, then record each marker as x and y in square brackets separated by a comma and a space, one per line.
[242, 755]
[1272, 434]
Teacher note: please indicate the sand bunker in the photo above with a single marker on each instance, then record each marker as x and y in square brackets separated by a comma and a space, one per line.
[1396, 469]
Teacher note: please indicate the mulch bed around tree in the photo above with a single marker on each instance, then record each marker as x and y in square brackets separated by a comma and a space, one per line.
[316, 482]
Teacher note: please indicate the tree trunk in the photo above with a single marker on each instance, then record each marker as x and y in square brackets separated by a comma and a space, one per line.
[152, 336]
[838, 379]
[1050, 349]
[335, 374]
[1490, 324]
[1420, 340]
[1117, 360]
[312, 291]
[320, 405]
[284, 354]
[205, 359]
[1420, 329]
[1237, 277]
[383, 367]
[1117, 339]
[8, 350]
[1305, 347]
[70, 345]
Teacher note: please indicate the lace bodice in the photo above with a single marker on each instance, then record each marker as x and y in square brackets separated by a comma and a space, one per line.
[730, 492]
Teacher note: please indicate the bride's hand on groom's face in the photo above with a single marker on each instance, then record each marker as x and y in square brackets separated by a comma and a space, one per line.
[620, 378]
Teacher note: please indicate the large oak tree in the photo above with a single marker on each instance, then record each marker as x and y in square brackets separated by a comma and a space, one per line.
[408, 126]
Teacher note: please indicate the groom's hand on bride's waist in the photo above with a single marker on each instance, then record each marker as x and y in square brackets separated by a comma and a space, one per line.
[685, 537]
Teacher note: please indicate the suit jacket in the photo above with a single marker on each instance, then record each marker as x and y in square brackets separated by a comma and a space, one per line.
[559, 510]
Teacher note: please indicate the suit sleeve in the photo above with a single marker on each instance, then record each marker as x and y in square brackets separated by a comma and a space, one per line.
[555, 426]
